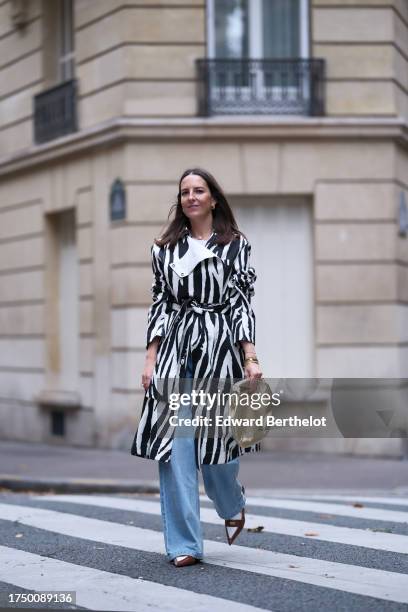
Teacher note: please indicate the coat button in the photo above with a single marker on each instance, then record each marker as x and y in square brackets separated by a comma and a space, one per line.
[181, 273]
[182, 361]
[172, 265]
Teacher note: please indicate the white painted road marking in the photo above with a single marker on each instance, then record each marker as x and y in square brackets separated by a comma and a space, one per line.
[352, 579]
[329, 533]
[100, 590]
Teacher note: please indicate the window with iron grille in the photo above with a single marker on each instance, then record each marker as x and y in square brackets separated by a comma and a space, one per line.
[55, 109]
[258, 58]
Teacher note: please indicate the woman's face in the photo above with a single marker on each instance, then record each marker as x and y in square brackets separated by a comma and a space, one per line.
[195, 196]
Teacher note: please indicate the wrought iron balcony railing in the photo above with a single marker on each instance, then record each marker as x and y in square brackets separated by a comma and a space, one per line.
[55, 112]
[253, 86]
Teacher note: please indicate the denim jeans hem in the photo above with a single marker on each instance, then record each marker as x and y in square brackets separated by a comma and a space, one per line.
[192, 553]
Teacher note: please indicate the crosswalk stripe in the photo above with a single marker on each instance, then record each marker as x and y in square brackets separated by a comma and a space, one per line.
[391, 501]
[378, 514]
[100, 590]
[352, 579]
[329, 533]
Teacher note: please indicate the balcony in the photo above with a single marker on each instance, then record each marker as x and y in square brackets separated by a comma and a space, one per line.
[260, 87]
[55, 112]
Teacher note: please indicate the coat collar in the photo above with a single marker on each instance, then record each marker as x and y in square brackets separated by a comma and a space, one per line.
[195, 253]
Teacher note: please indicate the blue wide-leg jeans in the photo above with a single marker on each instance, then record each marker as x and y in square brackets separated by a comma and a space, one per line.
[179, 495]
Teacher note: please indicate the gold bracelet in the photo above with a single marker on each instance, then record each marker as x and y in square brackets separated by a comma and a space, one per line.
[251, 360]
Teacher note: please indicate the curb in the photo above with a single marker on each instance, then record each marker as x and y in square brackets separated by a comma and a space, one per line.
[77, 485]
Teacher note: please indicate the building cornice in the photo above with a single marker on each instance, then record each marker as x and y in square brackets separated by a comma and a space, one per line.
[234, 128]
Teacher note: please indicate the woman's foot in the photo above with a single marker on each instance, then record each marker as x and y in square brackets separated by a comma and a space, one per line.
[234, 526]
[184, 560]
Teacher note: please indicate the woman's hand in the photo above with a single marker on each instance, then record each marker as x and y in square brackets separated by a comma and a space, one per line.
[252, 371]
[147, 373]
[150, 362]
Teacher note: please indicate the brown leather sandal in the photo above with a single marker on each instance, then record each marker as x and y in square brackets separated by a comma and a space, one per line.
[238, 523]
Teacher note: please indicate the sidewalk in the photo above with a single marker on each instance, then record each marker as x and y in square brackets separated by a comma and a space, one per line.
[41, 467]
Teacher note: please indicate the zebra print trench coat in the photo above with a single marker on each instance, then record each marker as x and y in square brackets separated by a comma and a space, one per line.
[201, 307]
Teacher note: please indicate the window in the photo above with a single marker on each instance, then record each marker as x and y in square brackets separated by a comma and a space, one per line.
[258, 59]
[262, 29]
[58, 41]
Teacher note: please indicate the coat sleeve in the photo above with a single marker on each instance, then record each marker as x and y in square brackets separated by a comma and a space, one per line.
[241, 285]
[157, 315]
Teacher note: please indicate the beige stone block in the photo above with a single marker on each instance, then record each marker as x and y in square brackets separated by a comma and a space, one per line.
[84, 207]
[97, 37]
[14, 46]
[164, 99]
[89, 10]
[22, 319]
[21, 286]
[86, 355]
[166, 25]
[85, 242]
[129, 327]
[352, 24]
[86, 279]
[101, 106]
[357, 242]
[16, 138]
[132, 243]
[86, 317]
[131, 286]
[402, 282]
[103, 71]
[21, 421]
[360, 98]
[151, 163]
[368, 324]
[361, 362]
[86, 391]
[127, 369]
[150, 202]
[260, 169]
[22, 353]
[24, 187]
[138, 62]
[167, 62]
[357, 61]
[133, 24]
[22, 253]
[18, 106]
[355, 201]
[65, 181]
[21, 221]
[350, 283]
[21, 385]
[302, 163]
[21, 73]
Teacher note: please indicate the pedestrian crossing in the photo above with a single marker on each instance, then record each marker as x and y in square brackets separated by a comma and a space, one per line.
[278, 575]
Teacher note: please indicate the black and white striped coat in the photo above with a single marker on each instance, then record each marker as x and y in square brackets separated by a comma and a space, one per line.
[201, 307]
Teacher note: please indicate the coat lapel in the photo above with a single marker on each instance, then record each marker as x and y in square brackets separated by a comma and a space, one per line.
[195, 253]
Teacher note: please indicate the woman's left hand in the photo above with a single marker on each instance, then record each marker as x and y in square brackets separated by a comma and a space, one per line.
[252, 371]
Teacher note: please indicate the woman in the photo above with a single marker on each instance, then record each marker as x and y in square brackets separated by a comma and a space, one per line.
[200, 328]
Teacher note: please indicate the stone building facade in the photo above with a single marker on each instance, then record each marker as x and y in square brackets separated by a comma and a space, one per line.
[103, 105]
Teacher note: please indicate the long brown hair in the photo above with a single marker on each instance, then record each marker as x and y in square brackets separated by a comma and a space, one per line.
[224, 224]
